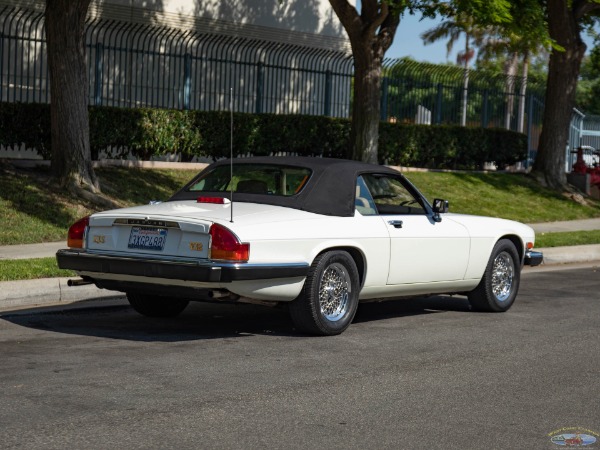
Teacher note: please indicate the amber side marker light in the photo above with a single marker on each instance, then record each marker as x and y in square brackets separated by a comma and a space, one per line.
[226, 246]
[76, 232]
[529, 245]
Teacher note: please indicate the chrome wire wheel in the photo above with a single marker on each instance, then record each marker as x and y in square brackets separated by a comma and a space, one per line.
[503, 272]
[329, 298]
[334, 289]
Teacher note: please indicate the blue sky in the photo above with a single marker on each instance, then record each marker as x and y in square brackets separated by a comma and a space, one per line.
[408, 42]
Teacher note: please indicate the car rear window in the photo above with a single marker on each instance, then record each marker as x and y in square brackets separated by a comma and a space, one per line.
[253, 179]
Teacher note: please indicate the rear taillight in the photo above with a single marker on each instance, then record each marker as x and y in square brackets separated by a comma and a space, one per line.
[76, 233]
[226, 246]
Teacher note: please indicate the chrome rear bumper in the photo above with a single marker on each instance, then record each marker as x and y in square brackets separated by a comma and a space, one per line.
[203, 271]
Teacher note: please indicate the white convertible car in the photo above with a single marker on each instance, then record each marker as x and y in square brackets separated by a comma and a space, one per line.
[320, 234]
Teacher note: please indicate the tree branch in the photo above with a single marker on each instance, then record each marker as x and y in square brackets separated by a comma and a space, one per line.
[378, 13]
[582, 8]
[388, 30]
[349, 17]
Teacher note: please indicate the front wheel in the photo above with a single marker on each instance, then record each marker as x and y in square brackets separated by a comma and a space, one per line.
[329, 298]
[155, 306]
[500, 283]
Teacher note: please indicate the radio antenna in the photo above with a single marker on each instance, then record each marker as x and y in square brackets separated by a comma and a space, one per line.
[231, 150]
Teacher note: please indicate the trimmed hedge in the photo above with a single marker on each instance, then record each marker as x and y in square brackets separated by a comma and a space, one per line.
[26, 123]
[449, 147]
[153, 132]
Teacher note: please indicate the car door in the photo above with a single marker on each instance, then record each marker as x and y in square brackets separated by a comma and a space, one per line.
[422, 250]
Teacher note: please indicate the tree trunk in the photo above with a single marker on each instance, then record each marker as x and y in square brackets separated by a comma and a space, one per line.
[510, 70]
[65, 32]
[563, 72]
[364, 133]
[522, 95]
[465, 92]
[371, 33]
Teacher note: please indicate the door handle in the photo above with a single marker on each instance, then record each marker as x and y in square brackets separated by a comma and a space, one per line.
[395, 223]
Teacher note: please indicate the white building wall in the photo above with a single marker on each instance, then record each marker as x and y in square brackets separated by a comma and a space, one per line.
[138, 51]
[305, 22]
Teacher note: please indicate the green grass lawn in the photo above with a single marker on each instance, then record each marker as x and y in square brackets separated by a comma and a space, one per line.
[567, 238]
[29, 269]
[510, 196]
[34, 209]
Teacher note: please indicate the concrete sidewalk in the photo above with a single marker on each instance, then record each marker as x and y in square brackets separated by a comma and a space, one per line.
[29, 251]
[15, 295]
[567, 225]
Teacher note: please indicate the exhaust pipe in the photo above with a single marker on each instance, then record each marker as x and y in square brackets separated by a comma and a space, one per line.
[78, 282]
[222, 295]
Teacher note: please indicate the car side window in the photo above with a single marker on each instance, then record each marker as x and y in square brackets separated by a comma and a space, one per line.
[391, 196]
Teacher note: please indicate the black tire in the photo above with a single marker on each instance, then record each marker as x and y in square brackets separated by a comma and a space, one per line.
[155, 306]
[334, 275]
[500, 282]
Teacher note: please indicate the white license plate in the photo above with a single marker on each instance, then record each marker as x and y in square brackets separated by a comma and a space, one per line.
[147, 238]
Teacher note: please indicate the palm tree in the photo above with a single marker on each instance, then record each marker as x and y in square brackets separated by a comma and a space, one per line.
[515, 48]
[452, 29]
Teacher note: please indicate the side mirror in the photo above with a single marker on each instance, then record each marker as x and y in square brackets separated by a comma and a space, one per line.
[440, 206]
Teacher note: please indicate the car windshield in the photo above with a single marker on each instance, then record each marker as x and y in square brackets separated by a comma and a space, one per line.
[253, 179]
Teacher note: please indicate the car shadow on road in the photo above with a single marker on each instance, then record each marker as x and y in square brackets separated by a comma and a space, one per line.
[204, 321]
[388, 309]
[200, 321]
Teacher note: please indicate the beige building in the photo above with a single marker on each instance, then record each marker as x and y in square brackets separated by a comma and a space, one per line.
[291, 56]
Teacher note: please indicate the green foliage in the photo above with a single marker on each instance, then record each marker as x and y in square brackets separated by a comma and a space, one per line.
[588, 88]
[26, 123]
[449, 147]
[148, 132]
[484, 12]
[537, 73]
[145, 132]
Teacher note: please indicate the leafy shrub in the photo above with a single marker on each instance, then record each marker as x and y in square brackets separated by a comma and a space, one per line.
[449, 147]
[153, 132]
[26, 123]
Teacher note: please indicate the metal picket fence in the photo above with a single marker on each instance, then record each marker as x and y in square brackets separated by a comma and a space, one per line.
[135, 65]
[415, 92]
[138, 65]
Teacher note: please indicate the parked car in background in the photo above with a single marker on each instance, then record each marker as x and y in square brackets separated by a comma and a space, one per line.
[318, 234]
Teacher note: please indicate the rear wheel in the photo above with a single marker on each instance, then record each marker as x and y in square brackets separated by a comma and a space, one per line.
[500, 283]
[329, 298]
[155, 306]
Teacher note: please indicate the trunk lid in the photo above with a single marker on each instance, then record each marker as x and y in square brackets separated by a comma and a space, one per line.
[170, 229]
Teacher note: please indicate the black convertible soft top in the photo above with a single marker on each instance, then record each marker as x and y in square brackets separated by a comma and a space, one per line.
[330, 190]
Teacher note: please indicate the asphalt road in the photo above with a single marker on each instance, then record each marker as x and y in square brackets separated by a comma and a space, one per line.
[410, 374]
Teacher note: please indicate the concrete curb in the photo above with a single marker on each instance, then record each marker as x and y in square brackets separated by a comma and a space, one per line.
[572, 254]
[16, 295]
